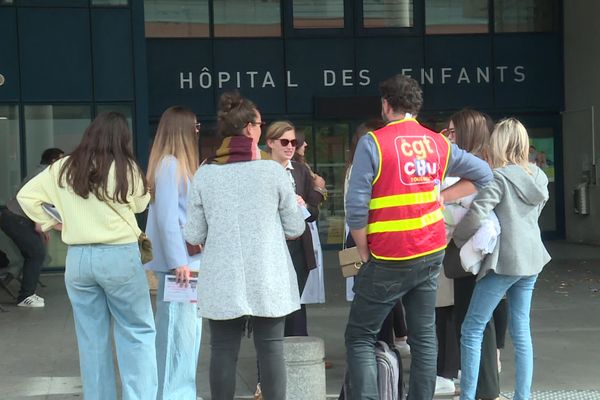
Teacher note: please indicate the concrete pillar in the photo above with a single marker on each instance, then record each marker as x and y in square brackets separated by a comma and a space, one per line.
[305, 368]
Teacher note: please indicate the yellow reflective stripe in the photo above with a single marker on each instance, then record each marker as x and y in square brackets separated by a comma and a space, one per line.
[379, 155]
[403, 200]
[409, 257]
[408, 224]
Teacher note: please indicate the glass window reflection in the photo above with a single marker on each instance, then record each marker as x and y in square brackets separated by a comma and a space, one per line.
[10, 152]
[247, 18]
[525, 15]
[48, 126]
[176, 18]
[456, 16]
[388, 14]
[318, 14]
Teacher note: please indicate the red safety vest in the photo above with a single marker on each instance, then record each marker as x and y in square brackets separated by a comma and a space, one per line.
[405, 214]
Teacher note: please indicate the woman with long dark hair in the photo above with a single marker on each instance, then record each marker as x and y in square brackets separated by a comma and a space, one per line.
[241, 208]
[97, 190]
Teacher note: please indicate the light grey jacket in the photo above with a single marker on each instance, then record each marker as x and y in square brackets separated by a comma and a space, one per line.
[242, 214]
[517, 197]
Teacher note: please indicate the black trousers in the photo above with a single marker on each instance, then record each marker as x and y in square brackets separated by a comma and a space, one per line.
[31, 245]
[295, 323]
[488, 384]
[225, 338]
[448, 360]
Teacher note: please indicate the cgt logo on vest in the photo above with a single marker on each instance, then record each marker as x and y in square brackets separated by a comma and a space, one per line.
[418, 159]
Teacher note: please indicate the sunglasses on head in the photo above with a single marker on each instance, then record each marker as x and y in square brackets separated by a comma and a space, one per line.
[285, 142]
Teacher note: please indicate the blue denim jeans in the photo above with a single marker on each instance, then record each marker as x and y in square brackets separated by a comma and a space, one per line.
[486, 296]
[178, 334]
[107, 284]
[378, 287]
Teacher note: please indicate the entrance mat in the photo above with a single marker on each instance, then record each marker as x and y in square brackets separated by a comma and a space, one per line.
[561, 395]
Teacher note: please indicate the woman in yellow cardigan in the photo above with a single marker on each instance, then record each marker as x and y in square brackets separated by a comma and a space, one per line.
[97, 190]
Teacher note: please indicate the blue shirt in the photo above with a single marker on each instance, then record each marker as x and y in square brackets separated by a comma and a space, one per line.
[167, 217]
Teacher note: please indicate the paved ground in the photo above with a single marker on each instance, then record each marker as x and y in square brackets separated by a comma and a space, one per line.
[38, 353]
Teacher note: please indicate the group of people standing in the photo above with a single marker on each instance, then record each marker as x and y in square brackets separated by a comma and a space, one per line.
[240, 218]
[397, 197]
[239, 221]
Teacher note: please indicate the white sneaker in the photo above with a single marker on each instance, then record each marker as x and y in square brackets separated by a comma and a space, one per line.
[444, 386]
[33, 301]
[39, 298]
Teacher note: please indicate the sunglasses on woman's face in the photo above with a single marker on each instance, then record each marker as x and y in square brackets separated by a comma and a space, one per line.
[285, 142]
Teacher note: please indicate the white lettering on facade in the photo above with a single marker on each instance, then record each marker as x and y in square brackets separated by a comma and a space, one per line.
[463, 76]
[483, 74]
[425, 75]
[252, 74]
[364, 79]
[328, 77]
[346, 77]
[289, 80]
[183, 80]
[520, 73]
[446, 74]
[501, 68]
[268, 81]
[223, 78]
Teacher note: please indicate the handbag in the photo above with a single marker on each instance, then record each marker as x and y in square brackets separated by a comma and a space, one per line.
[193, 249]
[144, 243]
[350, 261]
[453, 268]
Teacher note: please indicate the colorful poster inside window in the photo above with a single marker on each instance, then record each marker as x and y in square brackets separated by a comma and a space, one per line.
[541, 153]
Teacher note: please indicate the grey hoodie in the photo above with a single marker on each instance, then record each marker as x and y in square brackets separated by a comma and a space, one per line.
[517, 197]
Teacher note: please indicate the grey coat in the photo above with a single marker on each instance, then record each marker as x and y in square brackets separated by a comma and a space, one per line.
[517, 197]
[242, 214]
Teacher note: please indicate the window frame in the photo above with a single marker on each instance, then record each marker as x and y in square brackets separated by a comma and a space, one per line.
[291, 32]
[417, 30]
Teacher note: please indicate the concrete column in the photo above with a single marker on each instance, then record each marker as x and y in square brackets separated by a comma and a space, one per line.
[305, 368]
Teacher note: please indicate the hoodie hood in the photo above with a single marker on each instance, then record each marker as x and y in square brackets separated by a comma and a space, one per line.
[531, 186]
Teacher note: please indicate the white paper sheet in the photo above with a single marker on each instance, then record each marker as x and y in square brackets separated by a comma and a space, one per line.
[175, 292]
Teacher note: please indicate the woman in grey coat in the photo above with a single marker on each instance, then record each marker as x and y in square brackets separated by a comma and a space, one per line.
[517, 195]
[242, 209]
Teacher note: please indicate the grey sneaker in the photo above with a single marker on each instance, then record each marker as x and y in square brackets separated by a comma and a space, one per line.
[33, 301]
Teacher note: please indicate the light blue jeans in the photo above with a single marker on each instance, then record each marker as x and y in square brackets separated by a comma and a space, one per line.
[106, 283]
[486, 296]
[178, 334]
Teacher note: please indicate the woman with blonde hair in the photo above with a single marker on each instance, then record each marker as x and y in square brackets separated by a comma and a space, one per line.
[241, 208]
[97, 190]
[281, 144]
[517, 195]
[173, 163]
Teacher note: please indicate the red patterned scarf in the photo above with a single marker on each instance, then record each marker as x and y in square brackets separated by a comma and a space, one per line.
[235, 149]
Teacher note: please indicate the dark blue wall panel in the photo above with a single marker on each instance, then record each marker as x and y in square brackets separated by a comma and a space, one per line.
[112, 54]
[537, 83]
[9, 60]
[461, 70]
[381, 58]
[55, 54]
[318, 67]
[174, 68]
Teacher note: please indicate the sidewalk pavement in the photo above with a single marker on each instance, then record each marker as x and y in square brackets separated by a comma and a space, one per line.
[39, 353]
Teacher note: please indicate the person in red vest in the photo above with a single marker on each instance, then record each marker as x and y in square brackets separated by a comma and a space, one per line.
[394, 211]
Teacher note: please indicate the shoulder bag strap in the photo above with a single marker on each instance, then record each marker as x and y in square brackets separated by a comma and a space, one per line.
[123, 218]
